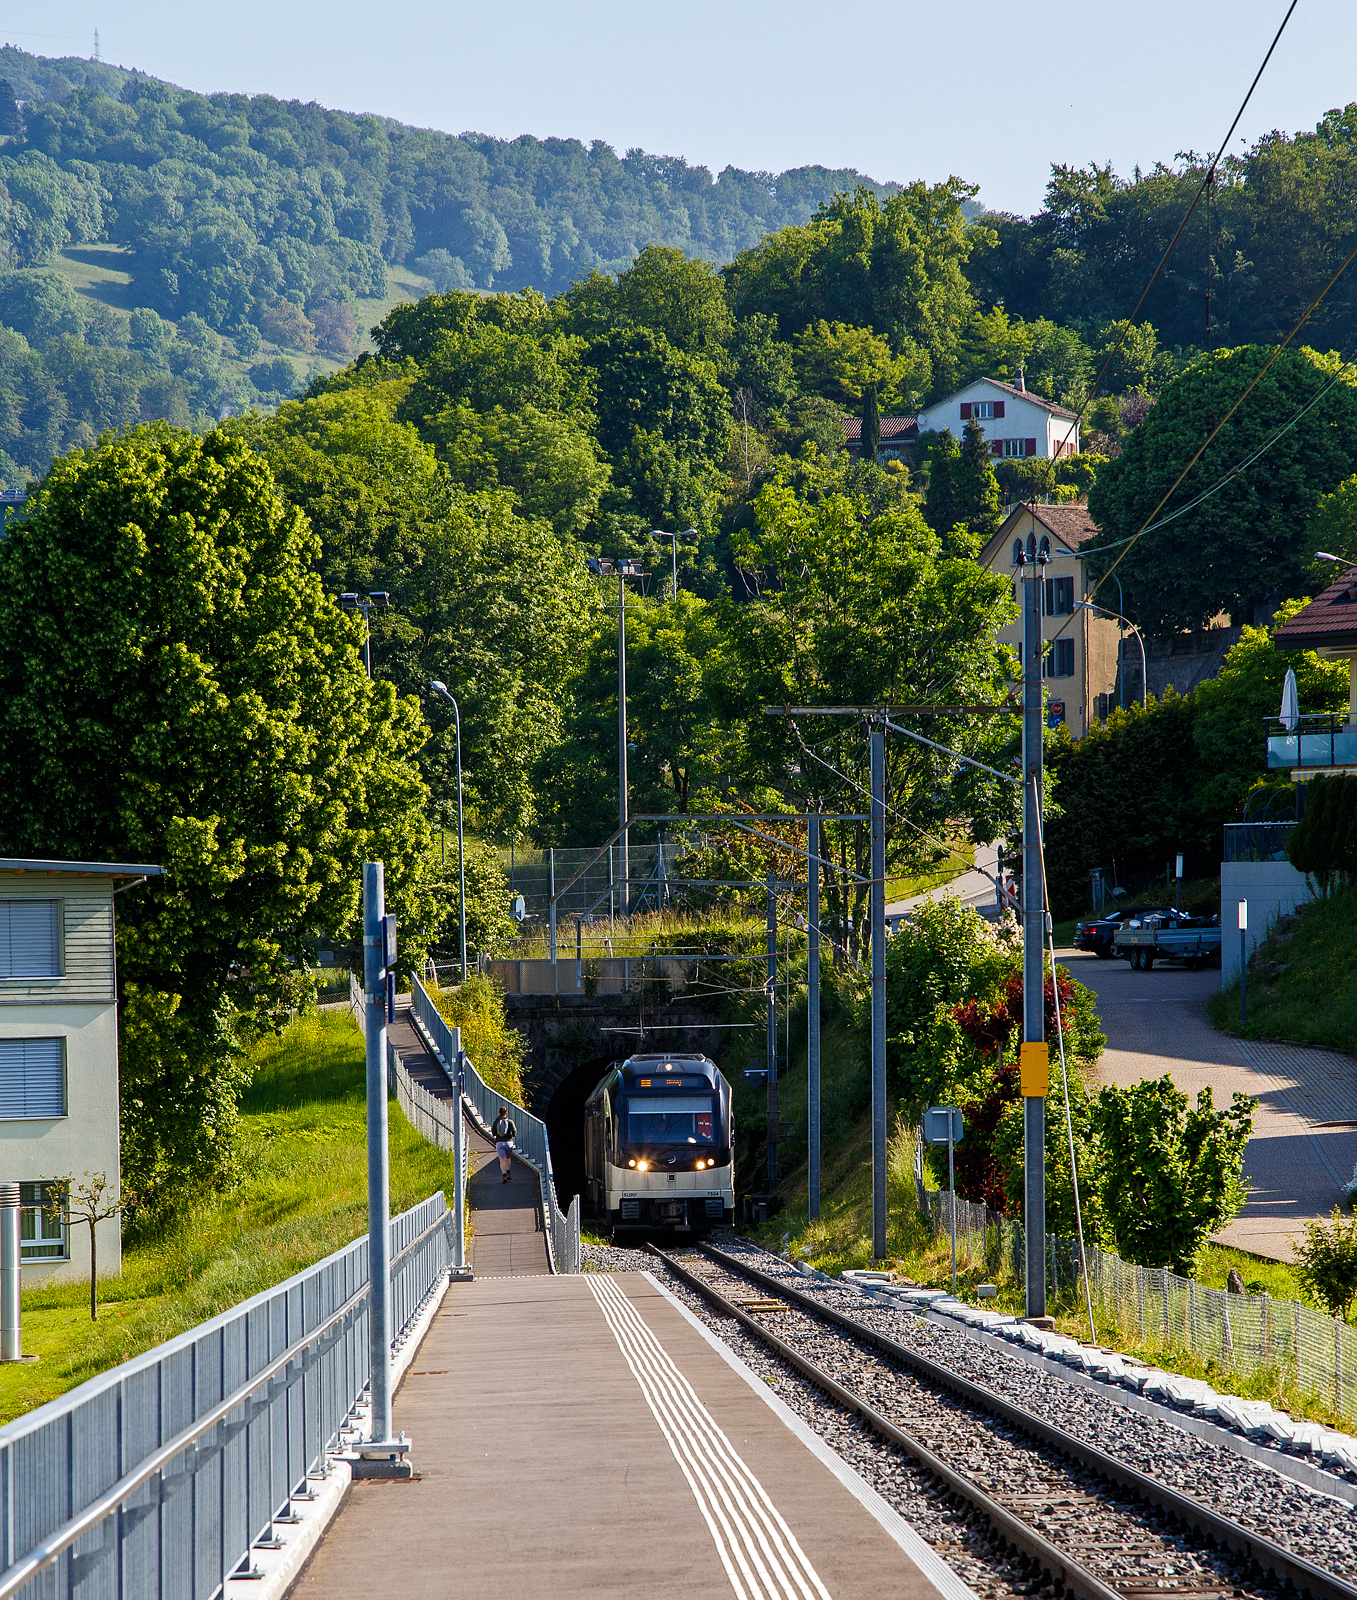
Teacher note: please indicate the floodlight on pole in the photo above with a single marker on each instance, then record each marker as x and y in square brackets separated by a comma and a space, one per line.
[1342, 561]
[374, 600]
[673, 538]
[442, 688]
[621, 568]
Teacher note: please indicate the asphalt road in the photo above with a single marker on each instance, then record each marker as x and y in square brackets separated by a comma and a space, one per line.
[1156, 1022]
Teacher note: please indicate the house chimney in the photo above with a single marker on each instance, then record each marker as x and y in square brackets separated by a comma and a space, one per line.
[1019, 381]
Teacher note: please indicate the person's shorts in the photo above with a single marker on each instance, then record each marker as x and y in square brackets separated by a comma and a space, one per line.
[503, 1148]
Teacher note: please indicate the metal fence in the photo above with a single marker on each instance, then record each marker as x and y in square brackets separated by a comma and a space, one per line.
[157, 1478]
[1240, 1334]
[535, 874]
[483, 1103]
[1257, 841]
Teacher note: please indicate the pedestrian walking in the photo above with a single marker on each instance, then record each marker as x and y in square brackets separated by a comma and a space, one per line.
[504, 1133]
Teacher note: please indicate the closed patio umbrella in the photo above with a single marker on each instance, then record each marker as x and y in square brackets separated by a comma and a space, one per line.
[1290, 712]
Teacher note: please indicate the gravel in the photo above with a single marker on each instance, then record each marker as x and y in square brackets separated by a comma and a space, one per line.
[1303, 1520]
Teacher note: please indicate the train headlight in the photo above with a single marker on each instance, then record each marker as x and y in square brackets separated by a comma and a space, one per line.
[631, 1163]
[643, 1166]
[701, 1166]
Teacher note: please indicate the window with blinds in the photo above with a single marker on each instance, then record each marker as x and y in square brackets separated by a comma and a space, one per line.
[30, 939]
[32, 1079]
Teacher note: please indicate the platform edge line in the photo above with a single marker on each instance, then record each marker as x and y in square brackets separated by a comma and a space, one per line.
[929, 1562]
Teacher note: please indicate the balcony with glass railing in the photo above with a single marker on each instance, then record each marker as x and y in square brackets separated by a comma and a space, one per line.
[1323, 740]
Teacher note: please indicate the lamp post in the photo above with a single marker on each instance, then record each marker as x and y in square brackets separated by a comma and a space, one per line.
[442, 688]
[374, 600]
[1087, 605]
[673, 538]
[621, 568]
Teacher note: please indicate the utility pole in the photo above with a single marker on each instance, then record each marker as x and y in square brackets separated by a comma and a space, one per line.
[375, 955]
[1033, 1062]
[774, 1109]
[622, 568]
[878, 937]
[813, 1007]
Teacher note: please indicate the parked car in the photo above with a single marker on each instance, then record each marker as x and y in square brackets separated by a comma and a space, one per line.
[1098, 937]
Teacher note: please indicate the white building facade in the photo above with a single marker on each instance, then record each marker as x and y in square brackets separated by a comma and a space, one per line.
[59, 1050]
[1016, 422]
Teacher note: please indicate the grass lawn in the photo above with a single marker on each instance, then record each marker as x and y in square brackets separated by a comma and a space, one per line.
[1302, 983]
[302, 1195]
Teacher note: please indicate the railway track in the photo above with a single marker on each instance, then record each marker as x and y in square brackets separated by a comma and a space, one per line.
[1097, 1527]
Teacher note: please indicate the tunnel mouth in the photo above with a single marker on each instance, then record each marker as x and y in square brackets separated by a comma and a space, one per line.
[564, 1118]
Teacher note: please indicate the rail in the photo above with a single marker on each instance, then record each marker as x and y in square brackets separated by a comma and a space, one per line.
[482, 1104]
[158, 1477]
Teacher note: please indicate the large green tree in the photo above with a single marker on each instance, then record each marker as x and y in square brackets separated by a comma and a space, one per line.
[178, 688]
[1248, 545]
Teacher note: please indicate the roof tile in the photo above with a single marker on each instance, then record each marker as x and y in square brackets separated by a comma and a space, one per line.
[1329, 619]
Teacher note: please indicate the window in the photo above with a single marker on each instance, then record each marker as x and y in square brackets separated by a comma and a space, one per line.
[1018, 447]
[982, 410]
[32, 1079]
[30, 943]
[1017, 552]
[1060, 659]
[42, 1229]
[676, 1119]
[1059, 597]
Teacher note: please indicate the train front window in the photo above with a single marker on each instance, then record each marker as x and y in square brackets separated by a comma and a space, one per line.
[673, 1119]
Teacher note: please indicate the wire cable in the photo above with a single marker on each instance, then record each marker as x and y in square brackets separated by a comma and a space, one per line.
[1163, 260]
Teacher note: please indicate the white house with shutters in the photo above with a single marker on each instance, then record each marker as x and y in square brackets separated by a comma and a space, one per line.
[1016, 422]
[59, 1049]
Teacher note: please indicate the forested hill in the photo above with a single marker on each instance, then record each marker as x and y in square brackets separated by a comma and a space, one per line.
[228, 200]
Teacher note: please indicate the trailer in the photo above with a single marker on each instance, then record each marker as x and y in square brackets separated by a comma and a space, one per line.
[1191, 941]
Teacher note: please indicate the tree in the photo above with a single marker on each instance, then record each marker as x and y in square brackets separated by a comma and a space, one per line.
[976, 487]
[176, 686]
[663, 290]
[870, 436]
[91, 1200]
[863, 608]
[288, 325]
[1248, 546]
[843, 362]
[11, 118]
[942, 501]
[1171, 1173]
[1326, 1262]
[1334, 524]
[894, 266]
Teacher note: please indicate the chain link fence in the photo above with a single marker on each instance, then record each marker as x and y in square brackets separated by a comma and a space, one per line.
[1239, 1334]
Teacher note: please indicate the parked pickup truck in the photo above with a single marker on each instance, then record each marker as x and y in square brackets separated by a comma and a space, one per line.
[1193, 941]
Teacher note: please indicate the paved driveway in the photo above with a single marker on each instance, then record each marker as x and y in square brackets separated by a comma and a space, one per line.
[1297, 1159]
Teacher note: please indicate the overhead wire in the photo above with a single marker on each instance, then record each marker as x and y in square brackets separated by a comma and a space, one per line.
[1187, 217]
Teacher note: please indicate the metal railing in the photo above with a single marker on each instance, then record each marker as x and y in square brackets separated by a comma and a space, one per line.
[1238, 1334]
[482, 1104]
[158, 1477]
[1257, 841]
[1323, 739]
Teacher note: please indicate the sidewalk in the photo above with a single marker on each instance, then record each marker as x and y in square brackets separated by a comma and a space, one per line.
[1304, 1140]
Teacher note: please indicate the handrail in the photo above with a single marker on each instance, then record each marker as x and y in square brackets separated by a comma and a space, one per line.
[562, 1229]
[44, 1554]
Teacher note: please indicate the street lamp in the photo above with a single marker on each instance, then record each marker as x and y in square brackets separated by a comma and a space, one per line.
[374, 600]
[442, 688]
[1087, 605]
[621, 568]
[1343, 561]
[673, 538]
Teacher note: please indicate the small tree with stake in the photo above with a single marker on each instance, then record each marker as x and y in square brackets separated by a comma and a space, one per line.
[91, 1200]
[1326, 1262]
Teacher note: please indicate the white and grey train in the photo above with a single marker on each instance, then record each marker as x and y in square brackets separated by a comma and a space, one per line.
[658, 1145]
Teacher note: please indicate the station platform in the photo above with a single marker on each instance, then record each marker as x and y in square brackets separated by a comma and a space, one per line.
[586, 1435]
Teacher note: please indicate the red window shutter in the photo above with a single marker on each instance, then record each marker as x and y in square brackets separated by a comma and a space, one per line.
[965, 410]
[1031, 447]
[998, 409]
[996, 447]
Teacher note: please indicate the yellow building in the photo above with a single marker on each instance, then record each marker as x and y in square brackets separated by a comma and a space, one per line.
[1081, 653]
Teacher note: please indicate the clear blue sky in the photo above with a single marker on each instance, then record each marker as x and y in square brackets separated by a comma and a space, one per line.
[898, 91]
